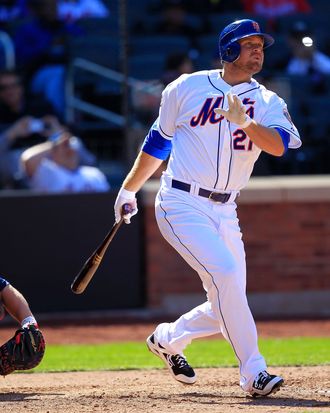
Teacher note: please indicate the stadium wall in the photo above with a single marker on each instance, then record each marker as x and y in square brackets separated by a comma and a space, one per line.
[45, 240]
[286, 230]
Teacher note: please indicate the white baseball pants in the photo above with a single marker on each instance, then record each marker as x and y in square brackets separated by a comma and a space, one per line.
[208, 237]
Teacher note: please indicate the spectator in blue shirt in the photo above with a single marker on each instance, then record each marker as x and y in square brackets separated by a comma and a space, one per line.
[42, 51]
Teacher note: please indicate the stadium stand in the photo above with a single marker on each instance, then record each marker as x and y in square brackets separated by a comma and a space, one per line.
[125, 51]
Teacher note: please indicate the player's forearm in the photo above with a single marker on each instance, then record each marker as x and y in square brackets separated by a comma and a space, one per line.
[267, 139]
[15, 303]
[144, 166]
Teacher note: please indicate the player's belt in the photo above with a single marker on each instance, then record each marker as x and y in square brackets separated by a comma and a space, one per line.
[214, 196]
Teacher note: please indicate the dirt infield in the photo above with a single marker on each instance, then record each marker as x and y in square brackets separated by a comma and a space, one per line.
[217, 390]
[306, 390]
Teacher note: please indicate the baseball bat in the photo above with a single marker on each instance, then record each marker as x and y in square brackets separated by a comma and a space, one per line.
[88, 270]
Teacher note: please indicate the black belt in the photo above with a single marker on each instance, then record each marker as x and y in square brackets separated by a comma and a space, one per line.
[214, 196]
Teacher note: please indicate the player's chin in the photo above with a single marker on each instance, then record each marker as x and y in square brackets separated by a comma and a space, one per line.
[255, 67]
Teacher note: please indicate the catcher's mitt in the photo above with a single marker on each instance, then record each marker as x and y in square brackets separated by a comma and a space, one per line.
[23, 351]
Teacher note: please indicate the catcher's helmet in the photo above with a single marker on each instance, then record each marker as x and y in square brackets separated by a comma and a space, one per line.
[229, 46]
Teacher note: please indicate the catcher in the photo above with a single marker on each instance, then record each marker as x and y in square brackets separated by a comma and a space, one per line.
[26, 348]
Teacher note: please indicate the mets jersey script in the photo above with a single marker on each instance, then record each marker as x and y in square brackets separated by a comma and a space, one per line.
[206, 147]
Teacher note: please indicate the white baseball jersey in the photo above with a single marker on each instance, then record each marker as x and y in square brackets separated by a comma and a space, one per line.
[51, 177]
[206, 147]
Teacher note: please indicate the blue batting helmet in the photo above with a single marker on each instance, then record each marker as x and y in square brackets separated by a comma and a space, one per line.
[229, 46]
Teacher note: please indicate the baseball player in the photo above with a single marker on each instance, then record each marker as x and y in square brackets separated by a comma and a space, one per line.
[212, 126]
[26, 348]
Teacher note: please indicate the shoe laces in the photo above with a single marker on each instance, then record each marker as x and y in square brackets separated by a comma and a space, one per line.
[263, 376]
[180, 361]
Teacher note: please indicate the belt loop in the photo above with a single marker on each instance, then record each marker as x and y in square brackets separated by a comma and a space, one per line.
[194, 188]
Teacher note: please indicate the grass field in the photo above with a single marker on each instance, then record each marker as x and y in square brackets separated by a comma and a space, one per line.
[202, 353]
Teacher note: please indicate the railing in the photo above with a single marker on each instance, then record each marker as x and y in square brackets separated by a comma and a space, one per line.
[9, 50]
[73, 103]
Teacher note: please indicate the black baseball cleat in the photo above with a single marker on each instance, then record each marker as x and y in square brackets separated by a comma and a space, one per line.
[177, 364]
[265, 384]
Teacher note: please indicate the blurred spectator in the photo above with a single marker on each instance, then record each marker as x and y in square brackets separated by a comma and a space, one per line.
[54, 167]
[145, 99]
[209, 6]
[214, 6]
[24, 121]
[10, 11]
[175, 20]
[14, 102]
[273, 9]
[306, 59]
[305, 56]
[176, 64]
[146, 95]
[42, 52]
[72, 10]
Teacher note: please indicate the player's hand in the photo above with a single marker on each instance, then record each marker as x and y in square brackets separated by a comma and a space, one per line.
[236, 111]
[125, 197]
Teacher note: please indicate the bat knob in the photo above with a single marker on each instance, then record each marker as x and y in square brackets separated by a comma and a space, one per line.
[127, 209]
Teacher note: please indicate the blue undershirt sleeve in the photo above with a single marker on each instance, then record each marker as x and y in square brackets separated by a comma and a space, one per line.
[285, 136]
[157, 146]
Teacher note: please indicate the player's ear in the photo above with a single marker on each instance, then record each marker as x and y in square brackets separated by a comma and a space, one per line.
[231, 53]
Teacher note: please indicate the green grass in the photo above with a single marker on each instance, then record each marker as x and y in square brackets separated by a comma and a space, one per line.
[202, 353]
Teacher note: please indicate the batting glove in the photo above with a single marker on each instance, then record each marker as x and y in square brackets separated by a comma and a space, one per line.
[125, 197]
[236, 112]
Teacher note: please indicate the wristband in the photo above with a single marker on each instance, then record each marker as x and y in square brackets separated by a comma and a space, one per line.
[246, 122]
[28, 320]
[130, 195]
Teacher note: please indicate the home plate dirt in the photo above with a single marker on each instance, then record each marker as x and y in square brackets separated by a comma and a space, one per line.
[305, 390]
